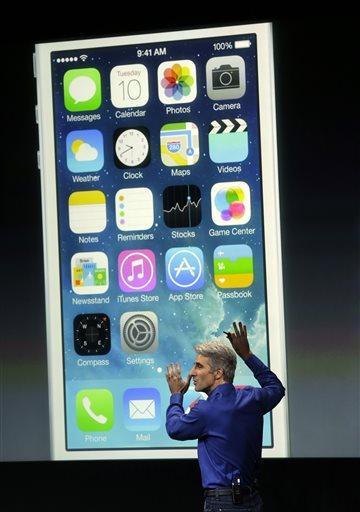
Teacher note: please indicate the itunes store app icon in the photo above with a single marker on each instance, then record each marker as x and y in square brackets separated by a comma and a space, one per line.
[137, 270]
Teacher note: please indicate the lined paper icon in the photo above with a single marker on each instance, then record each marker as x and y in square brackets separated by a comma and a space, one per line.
[87, 211]
[134, 209]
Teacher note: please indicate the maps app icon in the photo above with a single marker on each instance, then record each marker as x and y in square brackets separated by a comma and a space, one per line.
[179, 144]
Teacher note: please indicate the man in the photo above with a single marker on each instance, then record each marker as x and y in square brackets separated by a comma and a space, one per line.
[229, 424]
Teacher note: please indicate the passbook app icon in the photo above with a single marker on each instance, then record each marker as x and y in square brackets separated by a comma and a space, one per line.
[233, 266]
[141, 409]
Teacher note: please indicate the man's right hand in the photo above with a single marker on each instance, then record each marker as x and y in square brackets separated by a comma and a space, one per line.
[239, 340]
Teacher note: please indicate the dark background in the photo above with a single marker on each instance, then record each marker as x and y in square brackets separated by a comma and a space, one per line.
[316, 70]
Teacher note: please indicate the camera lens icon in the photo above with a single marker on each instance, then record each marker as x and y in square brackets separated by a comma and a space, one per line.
[139, 332]
[225, 77]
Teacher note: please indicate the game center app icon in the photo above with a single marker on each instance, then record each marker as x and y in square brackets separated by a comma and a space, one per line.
[177, 82]
[82, 89]
[137, 270]
[230, 203]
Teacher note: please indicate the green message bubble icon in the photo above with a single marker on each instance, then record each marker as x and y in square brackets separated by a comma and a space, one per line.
[82, 89]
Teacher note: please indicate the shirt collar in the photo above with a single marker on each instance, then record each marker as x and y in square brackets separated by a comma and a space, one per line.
[221, 390]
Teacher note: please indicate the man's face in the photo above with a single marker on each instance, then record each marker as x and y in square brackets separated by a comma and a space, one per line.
[203, 377]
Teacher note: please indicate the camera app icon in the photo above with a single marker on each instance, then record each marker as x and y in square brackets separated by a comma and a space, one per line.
[225, 77]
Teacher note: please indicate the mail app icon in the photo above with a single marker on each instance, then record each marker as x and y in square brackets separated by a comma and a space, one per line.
[142, 408]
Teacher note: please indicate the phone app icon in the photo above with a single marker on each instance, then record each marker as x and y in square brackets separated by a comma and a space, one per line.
[82, 89]
[132, 147]
[184, 268]
[92, 334]
[177, 82]
[137, 270]
[230, 203]
[87, 211]
[225, 77]
[89, 273]
[233, 266]
[84, 151]
[228, 140]
[129, 86]
[94, 410]
[139, 331]
[134, 209]
[179, 144]
[141, 408]
[182, 206]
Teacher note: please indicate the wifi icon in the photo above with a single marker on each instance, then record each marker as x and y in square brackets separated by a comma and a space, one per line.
[83, 57]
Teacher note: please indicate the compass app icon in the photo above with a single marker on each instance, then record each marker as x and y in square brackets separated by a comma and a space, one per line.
[184, 268]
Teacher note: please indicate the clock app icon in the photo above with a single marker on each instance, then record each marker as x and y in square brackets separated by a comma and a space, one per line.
[132, 147]
[92, 334]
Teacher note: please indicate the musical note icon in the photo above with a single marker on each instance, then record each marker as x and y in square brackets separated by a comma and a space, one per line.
[137, 270]
[134, 264]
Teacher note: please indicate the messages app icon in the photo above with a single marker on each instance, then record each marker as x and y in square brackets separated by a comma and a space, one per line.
[82, 89]
[141, 407]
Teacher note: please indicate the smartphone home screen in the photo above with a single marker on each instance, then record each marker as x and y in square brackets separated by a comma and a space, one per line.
[159, 194]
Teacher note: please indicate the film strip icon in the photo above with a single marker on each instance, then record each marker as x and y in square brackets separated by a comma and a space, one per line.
[227, 126]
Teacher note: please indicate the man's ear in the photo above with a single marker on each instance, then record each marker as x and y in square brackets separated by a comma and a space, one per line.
[219, 373]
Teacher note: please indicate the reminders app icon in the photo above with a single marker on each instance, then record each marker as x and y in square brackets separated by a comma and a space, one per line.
[141, 408]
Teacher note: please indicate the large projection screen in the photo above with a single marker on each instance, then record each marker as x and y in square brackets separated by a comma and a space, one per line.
[161, 227]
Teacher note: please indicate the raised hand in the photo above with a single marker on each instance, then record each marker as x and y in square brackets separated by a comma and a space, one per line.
[176, 383]
[239, 340]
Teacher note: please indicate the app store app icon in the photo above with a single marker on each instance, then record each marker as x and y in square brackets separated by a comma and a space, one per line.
[184, 268]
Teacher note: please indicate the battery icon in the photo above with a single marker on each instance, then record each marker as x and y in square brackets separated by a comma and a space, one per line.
[242, 44]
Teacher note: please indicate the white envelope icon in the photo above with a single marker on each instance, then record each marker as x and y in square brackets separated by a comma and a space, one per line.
[142, 409]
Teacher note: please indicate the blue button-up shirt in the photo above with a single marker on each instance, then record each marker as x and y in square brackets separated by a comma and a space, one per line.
[228, 426]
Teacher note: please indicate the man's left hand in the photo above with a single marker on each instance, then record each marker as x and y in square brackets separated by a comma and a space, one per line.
[176, 383]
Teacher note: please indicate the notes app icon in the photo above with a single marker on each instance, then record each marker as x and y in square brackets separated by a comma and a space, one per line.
[137, 270]
[87, 211]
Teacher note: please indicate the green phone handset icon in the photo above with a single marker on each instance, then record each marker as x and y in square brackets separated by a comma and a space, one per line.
[94, 410]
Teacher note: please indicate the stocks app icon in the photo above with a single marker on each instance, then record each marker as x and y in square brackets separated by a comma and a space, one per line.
[139, 331]
[225, 77]
[182, 206]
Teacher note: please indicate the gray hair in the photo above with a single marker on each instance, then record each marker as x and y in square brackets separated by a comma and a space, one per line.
[220, 356]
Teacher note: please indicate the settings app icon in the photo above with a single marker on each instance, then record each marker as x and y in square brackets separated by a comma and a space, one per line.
[139, 331]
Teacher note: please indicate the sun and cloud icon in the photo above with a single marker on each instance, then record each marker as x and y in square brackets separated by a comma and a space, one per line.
[85, 151]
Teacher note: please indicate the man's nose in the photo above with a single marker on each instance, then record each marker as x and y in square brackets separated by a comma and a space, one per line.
[192, 371]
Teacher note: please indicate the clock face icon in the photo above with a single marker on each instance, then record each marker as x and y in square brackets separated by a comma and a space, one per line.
[92, 334]
[132, 148]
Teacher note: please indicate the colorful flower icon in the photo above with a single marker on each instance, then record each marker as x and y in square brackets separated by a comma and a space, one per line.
[177, 82]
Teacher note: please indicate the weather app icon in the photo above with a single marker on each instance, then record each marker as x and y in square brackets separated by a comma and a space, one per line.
[85, 151]
[184, 268]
